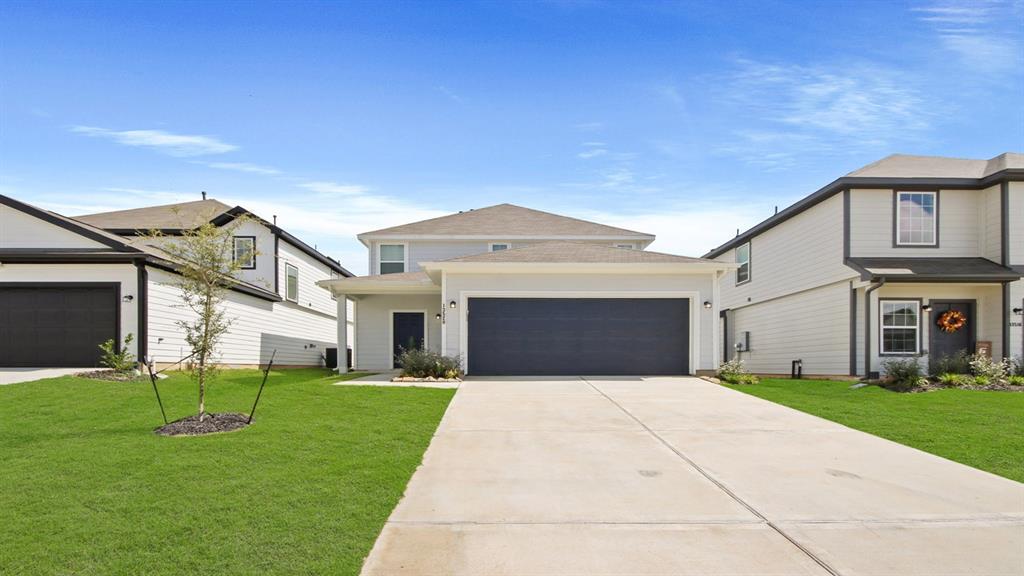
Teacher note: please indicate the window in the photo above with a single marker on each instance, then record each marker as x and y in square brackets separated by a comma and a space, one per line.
[626, 246]
[245, 252]
[916, 221]
[291, 285]
[496, 247]
[900, 326]
[743, 259]
[392, 258]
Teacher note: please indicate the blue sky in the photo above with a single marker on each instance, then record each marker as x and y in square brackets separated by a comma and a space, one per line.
[688, 120]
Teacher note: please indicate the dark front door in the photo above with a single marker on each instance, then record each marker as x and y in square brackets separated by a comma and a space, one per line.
[58, 325]
[582, 336]
[407, 332]
[948, 344]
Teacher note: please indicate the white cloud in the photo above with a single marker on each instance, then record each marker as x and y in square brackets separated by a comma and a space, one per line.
[335, 189]
[592, 153]
[241, 167]
[984, 34]
[166, 142]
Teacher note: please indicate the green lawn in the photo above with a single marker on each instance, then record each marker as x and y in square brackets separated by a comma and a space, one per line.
[980, 429]
[87, 488]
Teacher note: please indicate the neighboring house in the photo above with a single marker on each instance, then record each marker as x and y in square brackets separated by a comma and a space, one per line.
[864, 269]
[68, 284]
[517, 291]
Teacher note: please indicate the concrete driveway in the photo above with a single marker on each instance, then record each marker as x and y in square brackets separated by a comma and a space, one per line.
[16, 375]
[601, 476]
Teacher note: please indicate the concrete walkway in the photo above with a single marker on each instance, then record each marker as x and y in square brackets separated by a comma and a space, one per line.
[16, 375]
[660, 476]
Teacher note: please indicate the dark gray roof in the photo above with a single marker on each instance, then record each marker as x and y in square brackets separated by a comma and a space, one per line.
[933, 269]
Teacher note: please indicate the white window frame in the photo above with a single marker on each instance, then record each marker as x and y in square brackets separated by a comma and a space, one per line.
[935, 219]
[490, 247]
[882, 327]
[234, 250]
[288, 266]
[749, 274]
[405, 256]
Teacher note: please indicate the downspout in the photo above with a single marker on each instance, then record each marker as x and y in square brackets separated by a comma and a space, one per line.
[867, 325]
[142, 309]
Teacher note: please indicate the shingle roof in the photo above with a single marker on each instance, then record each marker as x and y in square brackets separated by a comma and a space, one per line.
[166, 217]
[576, 253]
[908, 166]
[933, 268]
[508, 220]
[399, 278]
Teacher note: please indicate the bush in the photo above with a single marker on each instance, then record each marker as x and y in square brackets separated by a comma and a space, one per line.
[982, 381]
[995, 371]
[959, 363]
[1016, 380]
[420, 363]
[117, 360]
[734, 372]
[902, 375]
[1018, 366]
[950, 379]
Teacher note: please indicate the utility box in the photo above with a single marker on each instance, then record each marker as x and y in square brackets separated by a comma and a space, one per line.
[331, 358]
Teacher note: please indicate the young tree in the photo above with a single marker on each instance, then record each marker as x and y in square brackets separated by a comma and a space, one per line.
[205, 259]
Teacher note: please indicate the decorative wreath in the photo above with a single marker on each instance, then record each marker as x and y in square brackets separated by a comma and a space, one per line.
[951, 321]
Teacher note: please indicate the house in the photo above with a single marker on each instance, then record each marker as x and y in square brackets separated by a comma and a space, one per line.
[868, 267]
[515, 291]
[68, 284]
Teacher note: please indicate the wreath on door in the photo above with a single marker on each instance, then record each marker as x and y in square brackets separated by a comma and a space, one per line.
[951, 320]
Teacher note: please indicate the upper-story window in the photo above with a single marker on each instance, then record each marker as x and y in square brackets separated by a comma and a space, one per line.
[917, 217]
[391, 258]
[291, 284]
[743, 259]
[628, 246]
[245, 252]
[496, 246]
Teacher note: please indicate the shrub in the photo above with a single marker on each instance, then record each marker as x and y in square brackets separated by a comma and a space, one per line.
[959, 363]
[118, 360]
[902, 375]
[740, 379]
[1018, 366]
[995, 371]
[950, 379]
[420, 363]
[734, 372]
[1016, 380]
[982, 381]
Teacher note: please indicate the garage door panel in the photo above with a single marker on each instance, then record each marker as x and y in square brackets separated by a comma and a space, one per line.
[56, 325]
[562, 336]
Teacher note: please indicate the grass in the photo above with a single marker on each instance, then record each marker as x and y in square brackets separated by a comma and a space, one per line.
[981, 429]
[87, 488]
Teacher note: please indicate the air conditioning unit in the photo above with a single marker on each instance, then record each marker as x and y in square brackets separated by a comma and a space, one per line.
[743, 342]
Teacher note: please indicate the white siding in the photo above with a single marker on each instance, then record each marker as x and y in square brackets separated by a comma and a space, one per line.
[871, 225]
[707, 322]
[258, 328]
[21, 230]
[804, 252]
[311, 296]
[989, 225]
[263, 275]
[1016, 212]
[373, 326]
[812, 326]
[124, 274]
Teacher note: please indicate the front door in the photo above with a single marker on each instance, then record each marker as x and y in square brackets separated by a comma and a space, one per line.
[407, 333]
[943, 343]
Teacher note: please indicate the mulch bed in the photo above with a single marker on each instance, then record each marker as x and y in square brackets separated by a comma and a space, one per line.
[211, 424]
[111, 376]
[932, 386]
[427, 379]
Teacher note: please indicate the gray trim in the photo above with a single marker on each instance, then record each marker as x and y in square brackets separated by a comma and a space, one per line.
[853, 330]
[142, 302]
[896, 216]
[1004, 347]
[822, 194]
[920, 327]
[846, 223]
[867, 326]
[277, 264]
[1004, 223]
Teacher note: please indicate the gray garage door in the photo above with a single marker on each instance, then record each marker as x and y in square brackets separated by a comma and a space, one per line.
[45, 325]
[562, 336]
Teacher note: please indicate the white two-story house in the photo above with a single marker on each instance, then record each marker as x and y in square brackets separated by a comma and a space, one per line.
[69, 284]
[910, 256]
[515, 291]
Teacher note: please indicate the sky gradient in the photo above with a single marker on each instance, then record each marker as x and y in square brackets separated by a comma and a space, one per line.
[687, 120]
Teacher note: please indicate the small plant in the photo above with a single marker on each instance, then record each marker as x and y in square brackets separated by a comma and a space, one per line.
[982, 381]
[995, 371]
[1018, 366]
[420, 363]
[902, 375]
[959, 363]
[734, 372]
[118, 360]
[1015, 380]
[955, 380]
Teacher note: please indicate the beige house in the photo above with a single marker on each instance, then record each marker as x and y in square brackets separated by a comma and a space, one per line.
[868, 268]
[517, 291]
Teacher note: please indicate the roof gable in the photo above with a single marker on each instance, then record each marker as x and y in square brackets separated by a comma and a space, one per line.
[562, 252]
[63, 228]
[507, 221]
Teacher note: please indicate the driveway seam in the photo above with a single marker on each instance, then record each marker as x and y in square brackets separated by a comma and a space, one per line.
[716, 482]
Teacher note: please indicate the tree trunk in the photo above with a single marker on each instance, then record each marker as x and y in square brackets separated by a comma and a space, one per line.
[204, 350]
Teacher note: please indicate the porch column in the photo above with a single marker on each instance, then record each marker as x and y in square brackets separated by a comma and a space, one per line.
[342, 302]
